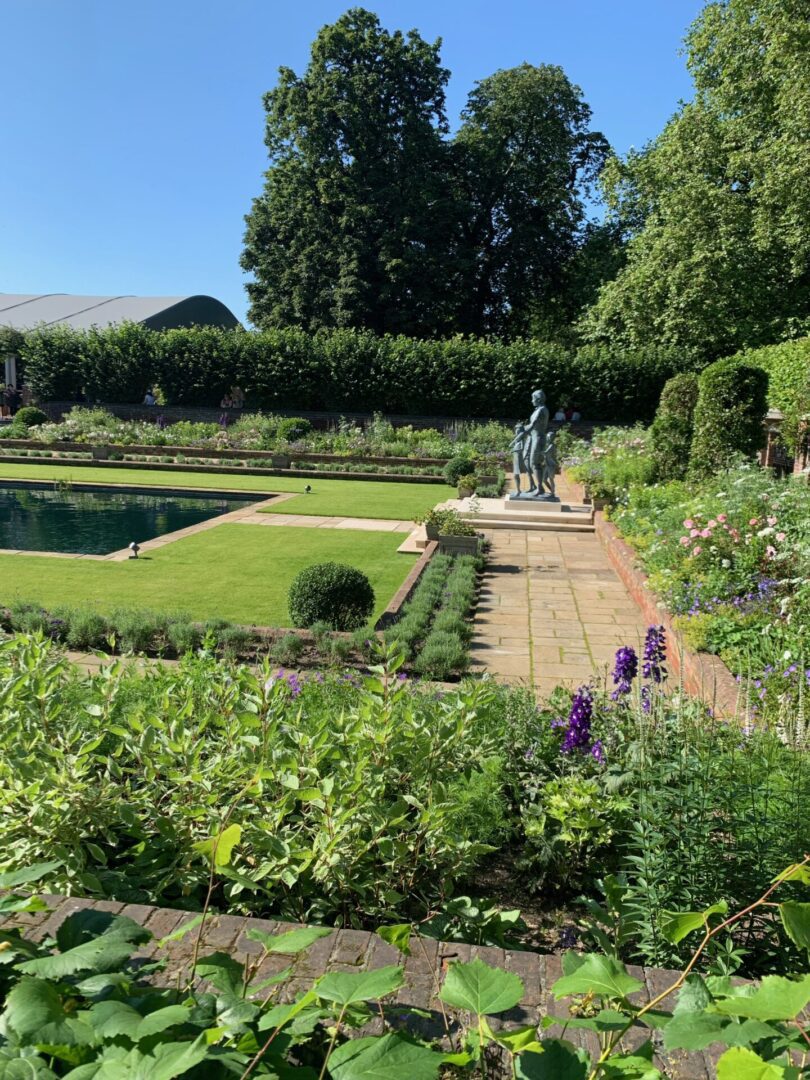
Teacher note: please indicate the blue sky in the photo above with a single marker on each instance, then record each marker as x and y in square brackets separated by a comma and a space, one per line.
[131, 132]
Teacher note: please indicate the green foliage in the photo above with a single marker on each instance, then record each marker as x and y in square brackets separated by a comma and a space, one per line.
[716, 207]
[729, 416]
[288, 649]
[339, 595]
[788, 368]
[351, 800]
[344, 370]
[459, 465]
[29, 417]
[672, 428]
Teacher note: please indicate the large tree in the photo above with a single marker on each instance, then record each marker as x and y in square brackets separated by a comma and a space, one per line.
[353, 217]
[371, 216]
[719, 205]
[524, 156]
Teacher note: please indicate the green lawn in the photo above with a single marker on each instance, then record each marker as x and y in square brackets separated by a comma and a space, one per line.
[236, 572]
[329, 498]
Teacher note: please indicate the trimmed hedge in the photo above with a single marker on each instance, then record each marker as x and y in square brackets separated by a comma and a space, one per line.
[332, 593]
[788, 368]
[671, 432]
[731, 405]
[345, 370]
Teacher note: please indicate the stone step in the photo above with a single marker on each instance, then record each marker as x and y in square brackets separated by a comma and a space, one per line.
[416, 542]
[518, 523]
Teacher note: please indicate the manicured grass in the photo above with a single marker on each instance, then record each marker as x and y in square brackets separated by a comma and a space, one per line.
[329, 498]
[237, 572]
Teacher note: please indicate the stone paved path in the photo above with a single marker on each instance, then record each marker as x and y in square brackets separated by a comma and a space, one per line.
[359, 950]
[553, 611]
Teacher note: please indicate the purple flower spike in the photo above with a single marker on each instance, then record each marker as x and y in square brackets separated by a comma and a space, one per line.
[598, 753]
[655, 654]
[578, 735]
[625, 671]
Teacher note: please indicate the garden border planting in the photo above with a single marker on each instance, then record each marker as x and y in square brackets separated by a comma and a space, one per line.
[703, 675]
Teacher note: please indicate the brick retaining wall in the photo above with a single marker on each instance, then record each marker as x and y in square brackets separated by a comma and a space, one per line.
[360, 950]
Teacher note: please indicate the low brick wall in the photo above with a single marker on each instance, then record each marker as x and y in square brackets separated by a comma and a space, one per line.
[407, 588]
[702, 675]
[360, 950]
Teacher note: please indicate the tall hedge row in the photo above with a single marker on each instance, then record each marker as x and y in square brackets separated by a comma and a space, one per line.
[731, 403]
[788, 367]
[345, 370]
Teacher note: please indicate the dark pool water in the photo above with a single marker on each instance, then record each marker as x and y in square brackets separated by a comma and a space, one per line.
[94, 521]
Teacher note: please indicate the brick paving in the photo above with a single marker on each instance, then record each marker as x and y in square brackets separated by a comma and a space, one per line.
[552, 610]
[359, 950]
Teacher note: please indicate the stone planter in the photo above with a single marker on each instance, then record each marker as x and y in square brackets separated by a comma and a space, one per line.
[100, 453]
[488, 479]
[465, 492]
[459, 545]
[432, 532]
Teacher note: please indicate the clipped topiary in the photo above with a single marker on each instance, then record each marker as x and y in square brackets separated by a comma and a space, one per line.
[729, 415]
[332, 593]
[31, 417]
[672, 429]
[458, 466]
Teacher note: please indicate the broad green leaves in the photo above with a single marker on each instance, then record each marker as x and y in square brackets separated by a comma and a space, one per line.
[481, 989]
[219, 847]
[796, 921]
[675, 925]
[600, 975]
[349, 988]
[776, 998]
[293, 941]
[741, 1064]
[391, 1057]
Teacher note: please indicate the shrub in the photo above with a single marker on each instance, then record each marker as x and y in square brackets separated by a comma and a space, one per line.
[29, 417]
[86, 629]
[458, 466]
[235, 641]
[788, 367]
[291, 428]
[443, 654]
[729, 415]
[138, 631]
[287, 650]
[183, 636]
[671, 432]
[339, 595]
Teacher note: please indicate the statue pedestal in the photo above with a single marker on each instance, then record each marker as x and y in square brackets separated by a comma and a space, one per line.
[514, 501]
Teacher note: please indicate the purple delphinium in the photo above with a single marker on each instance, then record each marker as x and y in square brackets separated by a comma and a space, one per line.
[625, 671]
[655, 654]
[578, 735]
[294, 684]
[598, 753]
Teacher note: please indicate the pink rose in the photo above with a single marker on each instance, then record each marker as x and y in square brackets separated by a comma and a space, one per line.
[685, 541]
[780, 537]
[771, 520]
[770, 551]
[696, 550]
[689, 524]
[722, 517]
[712, 524]
[695, 532]
[706, 533]
[754, 521]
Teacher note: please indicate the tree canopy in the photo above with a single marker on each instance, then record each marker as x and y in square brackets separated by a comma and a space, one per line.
[373, 217]
[718, 206]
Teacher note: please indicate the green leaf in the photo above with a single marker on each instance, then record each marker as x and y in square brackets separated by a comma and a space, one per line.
[796, 872]
[102, 954]
[518, 1039]
[12, 878]
[293, 941]
[35, 1012]
[390, 1057]
[675, 925]
[172, 1059]
[182, 930]
[222, 971]
[693, 1031]
[346, 988]
[86, 925]
[161, 1019]
[558, 1061]
[220, 846]
[741, 1064]
[630, 1067]
[796, 921]
[398, 935]
[481, 989]
[776, 998]
[597, 975]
